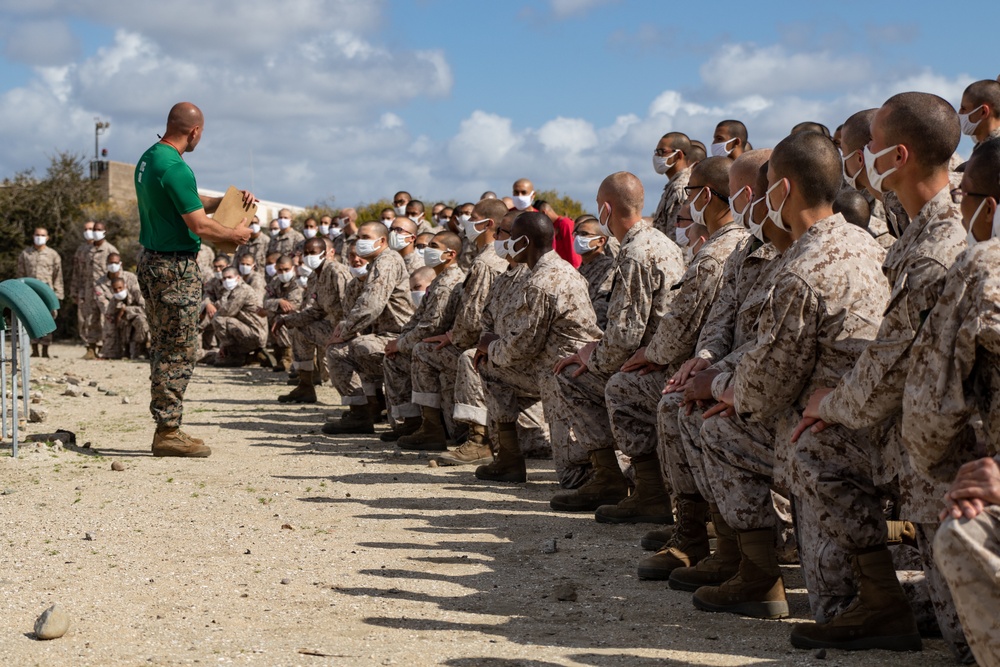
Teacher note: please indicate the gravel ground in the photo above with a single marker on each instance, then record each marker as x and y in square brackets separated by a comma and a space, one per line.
[288, 547]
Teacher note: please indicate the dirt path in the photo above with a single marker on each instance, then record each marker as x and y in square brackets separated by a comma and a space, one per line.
[288, 547]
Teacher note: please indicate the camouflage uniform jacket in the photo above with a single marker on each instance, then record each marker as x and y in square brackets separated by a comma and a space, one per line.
[955, 371]
[825, 306]
[436, 312]
[256, 281]
[45, 265]
[256, 248]
[322, 297]
[204, 261]
[678, 330]
[80, 269]
[599, 276]
[277, 291]
[241, 303]
[916, 267]
[665, 217]
[133, 304]
[553, 317]
[501, 300]
[384, 304]
[413, 261]
[285, 243]
[212, 292]
[645, 269]
[102, 289]
[469, 318]
[746, 284]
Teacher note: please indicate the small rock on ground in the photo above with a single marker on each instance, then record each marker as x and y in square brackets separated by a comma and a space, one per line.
[118, 466]
[52, 624]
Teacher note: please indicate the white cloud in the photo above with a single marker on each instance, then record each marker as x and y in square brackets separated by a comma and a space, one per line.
[562, 9]
[41, 43]
[567, 135]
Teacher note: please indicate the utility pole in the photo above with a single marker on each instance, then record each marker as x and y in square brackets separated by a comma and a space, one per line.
[99, 128]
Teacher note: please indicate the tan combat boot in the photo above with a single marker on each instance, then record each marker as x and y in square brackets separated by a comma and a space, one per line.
[474, 451]
[687, 545]
[721, 566]
[880, 616]
[91, 353]
[304, 392]
[359, 419]
[509, 463]
[757, 588]
[430, 437]
[175, 442]
[607, 485]
[648, 503]
[408, 426]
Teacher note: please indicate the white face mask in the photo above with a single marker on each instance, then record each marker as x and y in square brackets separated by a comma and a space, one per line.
[114, 268]
[851, 180]
[324, 229]
[462, 219]
[313, 261]
[245, 269]
[720, 150]
[270, 270]
[359, 271]
[309, 232]
[254, 228]
[274, 232]
[500, 248]
[874, 178]
[417, 219]
[88, 235]
[968, 127]
[387, 222]
[365, 247]
[581, 244]
[512, 251]
[98, 234]
[471, 232]
[740, 217]
[286, 276]
[400, 210]
[433, 257]
[698, 215]
[681, 236]
[218, 275]
[421, 251]
[303, 281]
[522, 202]
[399, 240]
[335, 232]
[662, 165]
[605, 225]
[121, 296]
[757, 229]
[416, 298]
[230, 283]
[775, 215]
[994, 232]
[40, 240]
[284, 223]
[304, 270]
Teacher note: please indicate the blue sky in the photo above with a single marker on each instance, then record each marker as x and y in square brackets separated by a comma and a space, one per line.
[352, 100]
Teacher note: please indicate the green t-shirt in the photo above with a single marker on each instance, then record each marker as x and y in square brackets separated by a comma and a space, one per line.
[165, 189]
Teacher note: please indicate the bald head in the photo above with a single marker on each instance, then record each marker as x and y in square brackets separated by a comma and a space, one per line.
[448, 241]
[624, 191]
[926, 124]
[811, 162]
[491, 209]
[713, 172]
[183, 118]
[374, 230]
[678, 141]
[746, 168]
[857, 131]
[314, 246]
[536, 226]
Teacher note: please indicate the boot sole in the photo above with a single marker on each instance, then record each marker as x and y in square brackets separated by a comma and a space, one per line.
[890, 643]
[690, 587]
[455, 462]
[560, 506]
[296, 400]
[181, 455]
[606, 518]
[766, 610]
[507, 479]
[432, 447]
[350, 430]
[649, 574]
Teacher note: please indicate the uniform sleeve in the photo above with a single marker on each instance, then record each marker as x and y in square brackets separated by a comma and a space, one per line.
[57, 278]
[677, 332]
[715, 340]
[873, 390]
[429, 318]
[371, 302]
[469, 318]
[629, 308]
[529, 329]
[772, 375]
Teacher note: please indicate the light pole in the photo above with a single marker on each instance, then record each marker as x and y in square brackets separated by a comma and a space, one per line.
[99, 128]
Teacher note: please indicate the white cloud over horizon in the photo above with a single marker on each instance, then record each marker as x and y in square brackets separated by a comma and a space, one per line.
[318, 108]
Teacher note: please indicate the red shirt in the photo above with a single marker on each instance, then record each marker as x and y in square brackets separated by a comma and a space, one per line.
[562, 241]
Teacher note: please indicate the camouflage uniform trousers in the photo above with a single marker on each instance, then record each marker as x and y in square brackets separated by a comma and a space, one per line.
[581, 408]
[471, 408]
[92, 317]
[81, 317]
[281, 338]
[396, 371]
[674, 466]
[948, 619]
[171, 286]
[305, 340]
[237, 338]
[356, 367]
[632, 399]
[967, 552]
[123, 339]
[432, 374]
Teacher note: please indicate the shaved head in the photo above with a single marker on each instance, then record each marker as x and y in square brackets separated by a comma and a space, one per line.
[377, 229]
[713, 172]
[926, 124]
[624, 191]
[812, 163]
[493, 209]
[853, 207]
[982, 171]
[314, 245]
[857, 130]
[986, 92]
[449, 240]
[745, 168]
[183, 118]
[536, 226]
[678, 141]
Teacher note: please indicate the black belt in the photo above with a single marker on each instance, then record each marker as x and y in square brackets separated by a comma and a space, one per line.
[182, 254]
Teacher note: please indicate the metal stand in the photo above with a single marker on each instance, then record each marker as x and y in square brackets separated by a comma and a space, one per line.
[19, 379]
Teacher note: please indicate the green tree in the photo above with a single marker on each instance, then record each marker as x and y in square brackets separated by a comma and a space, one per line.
[563, 204]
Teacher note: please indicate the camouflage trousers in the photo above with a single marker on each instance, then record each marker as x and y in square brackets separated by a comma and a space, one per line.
[90, 317]
[305, 341]
[119, 340]
[581, 407]
[471, 407]
[396, 371]
[356, 367]
[632, 399]
[967, 553]
[679, 447]
[171, 286]
[281, 338]
[432, 375]
[237, 338]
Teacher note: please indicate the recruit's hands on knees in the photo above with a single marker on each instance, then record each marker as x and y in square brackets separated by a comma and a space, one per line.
[976, 485]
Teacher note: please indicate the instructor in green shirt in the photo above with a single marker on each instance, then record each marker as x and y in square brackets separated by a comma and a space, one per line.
[173, 220]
